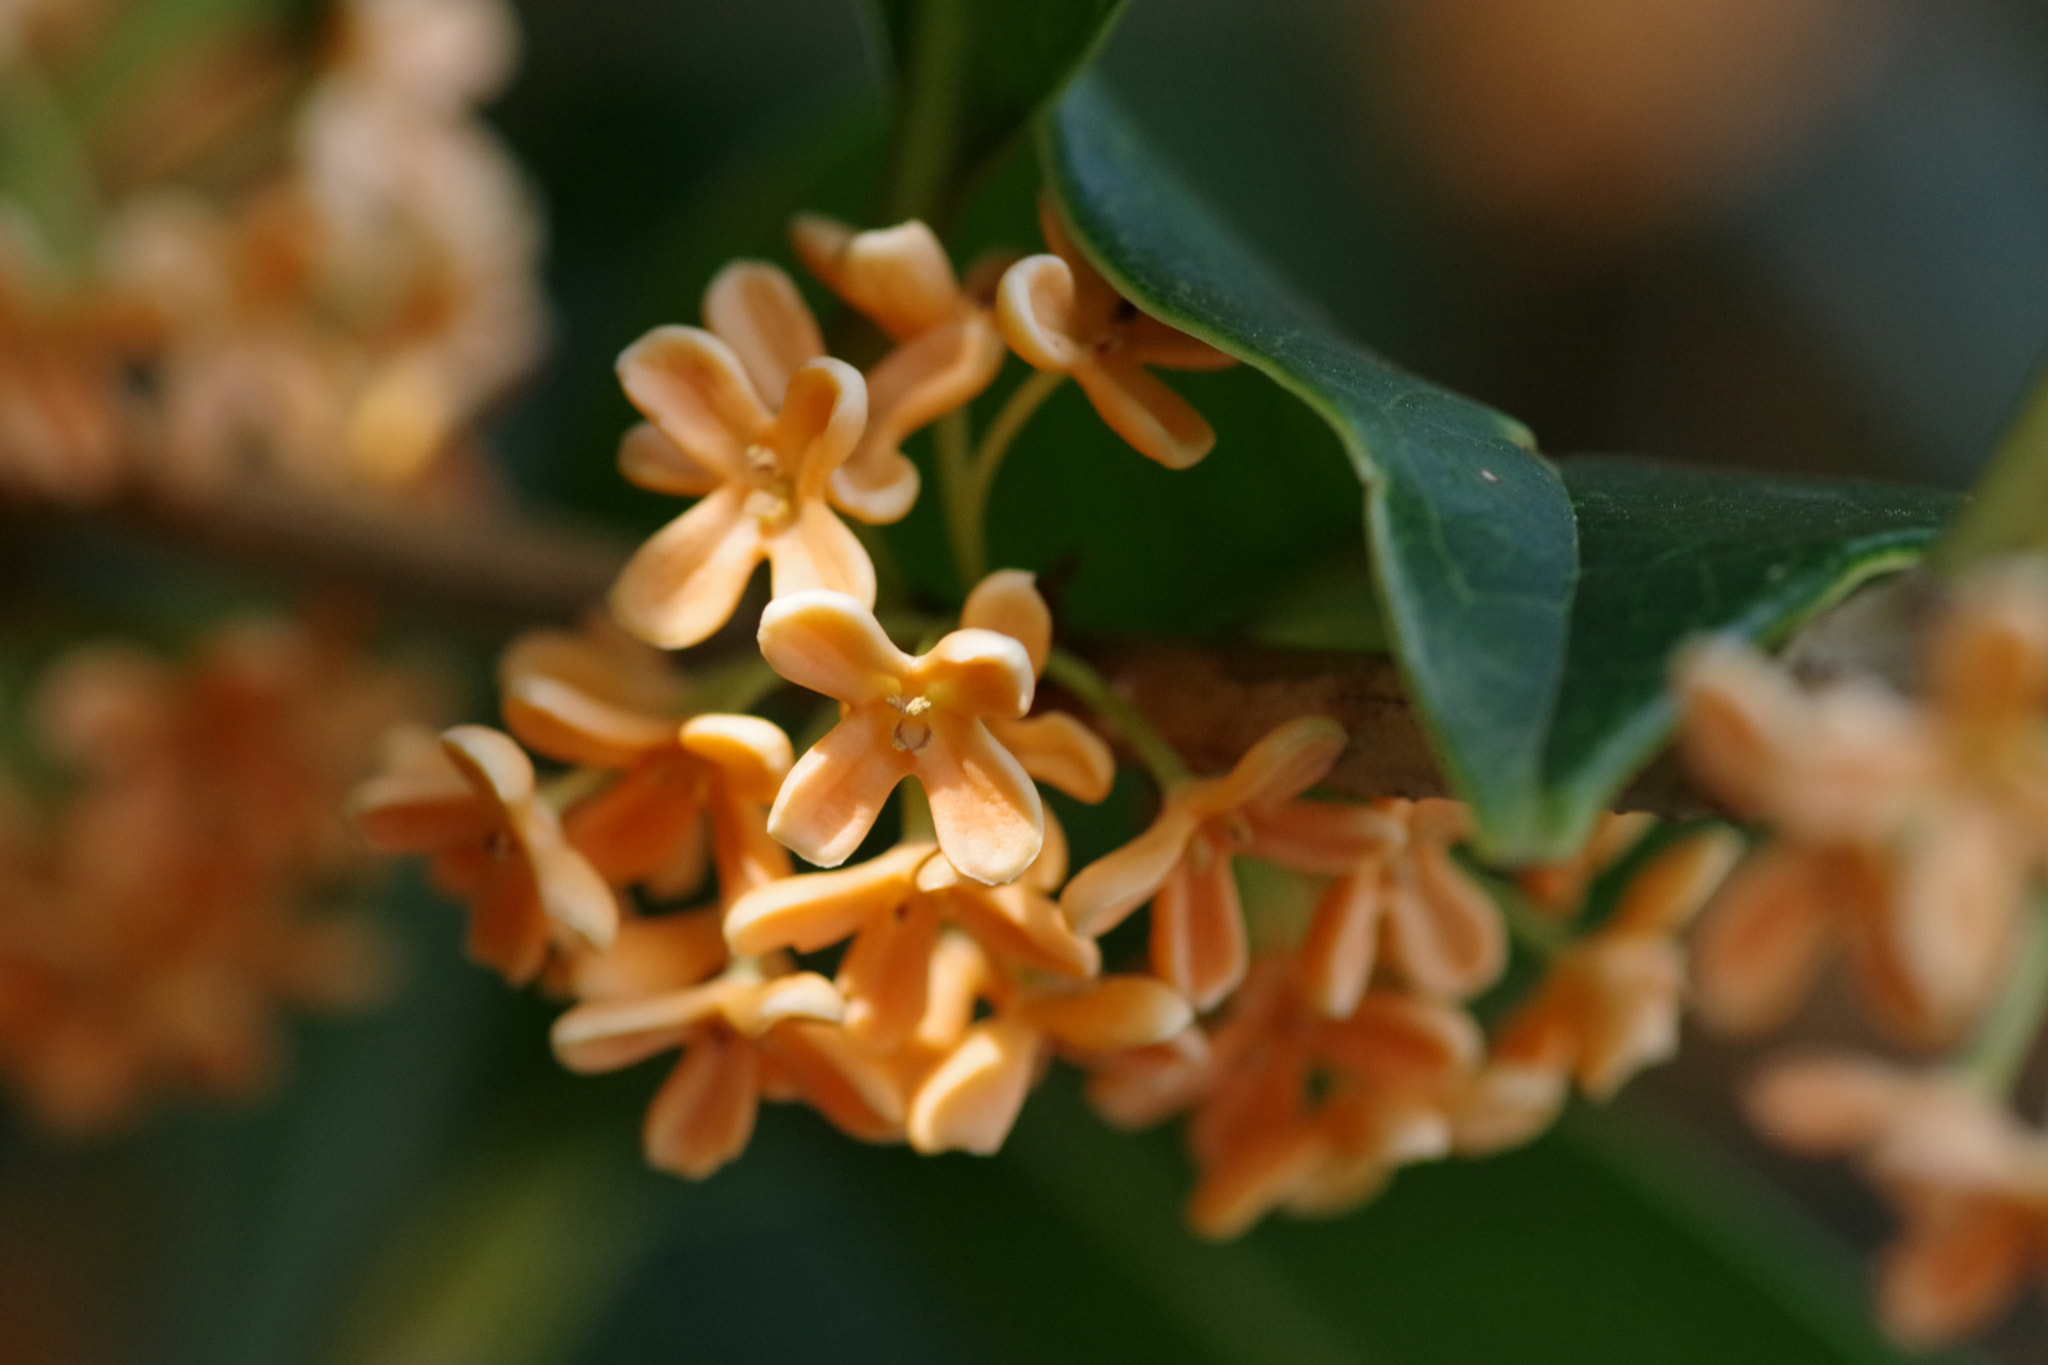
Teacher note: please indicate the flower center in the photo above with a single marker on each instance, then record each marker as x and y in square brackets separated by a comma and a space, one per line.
[911, 734]
[772, 502]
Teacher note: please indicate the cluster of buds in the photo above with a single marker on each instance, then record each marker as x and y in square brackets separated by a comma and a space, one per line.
[917, 994]
[1908, 835]
[193, 879]
[325, 267]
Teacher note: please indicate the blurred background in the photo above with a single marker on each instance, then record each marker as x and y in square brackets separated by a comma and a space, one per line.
[1781, 234]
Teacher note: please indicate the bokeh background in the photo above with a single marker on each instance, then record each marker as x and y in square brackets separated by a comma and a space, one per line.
[1783, 234]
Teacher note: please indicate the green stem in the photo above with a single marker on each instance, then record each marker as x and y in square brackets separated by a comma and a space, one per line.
[43, 165]
[2005, 1038]
[2008, 510]
[931, 75]
[956, 479]
[1078, 676]
[1017, 410]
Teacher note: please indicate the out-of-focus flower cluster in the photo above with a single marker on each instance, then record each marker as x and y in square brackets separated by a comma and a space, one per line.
[320, 264]
[642, 870]
[188, 877]
[1906, 835]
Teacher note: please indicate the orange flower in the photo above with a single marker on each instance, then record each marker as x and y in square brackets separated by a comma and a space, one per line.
[750, 1034]
[1560, 887]
[970, 1099]
[470, 802]
[893, 909]
[763, 476]
[1314, 1114]
[1969, 1181]
[1183, 862]
[904, 716]
[1406, 903]
[1055, 748]
[1608, 1006]
[604, 701]
[947, 351]
[1906, 834]
[1058, 313]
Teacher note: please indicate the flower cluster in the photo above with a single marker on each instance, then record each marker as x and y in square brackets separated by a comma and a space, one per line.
[1908, 835]
[192, 878]
[916, 991]
[332, 287]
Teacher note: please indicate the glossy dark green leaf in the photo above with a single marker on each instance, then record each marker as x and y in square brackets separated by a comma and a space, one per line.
[1471, 534]
[970, 76]
[1667, 551]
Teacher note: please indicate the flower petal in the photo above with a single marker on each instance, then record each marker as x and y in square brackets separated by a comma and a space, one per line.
[831, 643]
[1403, 1042]
[833, 1074]
[1103, 893]
[1322, 838]
[1256, 1177]
[756, 310]
[1763, 941]
[817, 552]
[421, 812]
[1336, 957]
[815, 909]
[610, 1034]
[685, 582]
[900, 278]
[1950, 1274]
[703, 1115]
[752, 755]
[1061, 751]
[638, 826]
[566, 723]
[878, 484]
[650, 956]
[831, 798]
[1198, 930]
[571, 891]
[970, 1102]
[1139, 406]
[1035, 313]
[1507, 1106]
[651, 460]
[1008, 602]
[885, 972]
[1443, 929]
[1669, 890]
[1112, 1014]
[492, 763]
[1961, 895]
[1149, 341]
[1291, 758]
[1022, 927]
[1827, 1103]
[923, 380]
[822, 418]
[990, 822]
[977, 673]
[508, 929]
[691, 386]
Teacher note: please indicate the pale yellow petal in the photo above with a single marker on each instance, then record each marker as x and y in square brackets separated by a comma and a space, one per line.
[607, 1035]
[990, 822]
[1288, 760]
[831, 798]
[1139, 406]
[751, 754]
[703, 1115]
[492, 763]
[816, 909]
[822, 418]
[1111, 1014]
[756, 310]
[1762, 943]
[1103, 893]
[977, 673]
[651, 460]
[818, 553]
[1035, 313]
[1061, 751]
[1008, 602]
[970, 1102]
[1198, 931]
[831, 643]
[691, 386]
[568, 724]
[685, 582]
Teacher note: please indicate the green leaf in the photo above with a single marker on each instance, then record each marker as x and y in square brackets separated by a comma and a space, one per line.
[1532, 615]
[1667, 551]
[970, 75]
[1471, 534]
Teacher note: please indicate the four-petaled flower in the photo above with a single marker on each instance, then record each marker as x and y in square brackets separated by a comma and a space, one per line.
[1183, 862]
[711, 397]
[470, 803]
[1058, 313]
[903, 717]
[947, 350]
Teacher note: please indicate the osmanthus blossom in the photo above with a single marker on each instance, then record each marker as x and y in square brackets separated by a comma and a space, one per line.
[1968, 1181]
[1903, 833]
[1294, 1110]
[470, 802]
[752, 421]
[904, 716]
[1559, 888]
[1608, 1005]
[1182, 863]
[1399, 901]
[605, 702]
[970, 1098]
[757, 1031]
[891, 912]
[1059, 314]
[1055, 748]
[946, 347]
